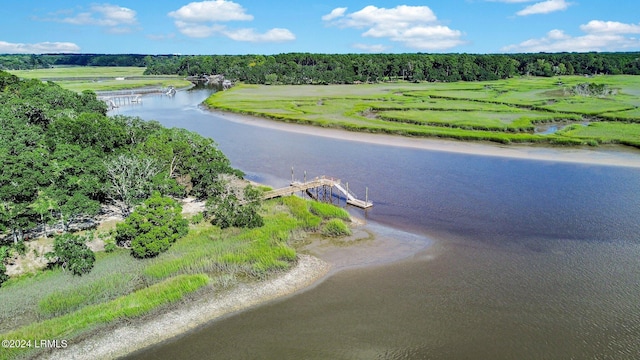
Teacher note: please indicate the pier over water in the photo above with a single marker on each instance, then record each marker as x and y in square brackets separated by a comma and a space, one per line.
[320, 187]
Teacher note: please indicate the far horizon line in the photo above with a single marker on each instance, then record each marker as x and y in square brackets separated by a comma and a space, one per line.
[322, 53]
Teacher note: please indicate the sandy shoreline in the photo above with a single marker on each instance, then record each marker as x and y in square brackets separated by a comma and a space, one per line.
[605, 155]
[131, 337]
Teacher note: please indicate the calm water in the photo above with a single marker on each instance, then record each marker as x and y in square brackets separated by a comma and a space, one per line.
[533, 259]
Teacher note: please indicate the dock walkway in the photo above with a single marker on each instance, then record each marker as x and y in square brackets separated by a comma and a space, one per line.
[319, 182]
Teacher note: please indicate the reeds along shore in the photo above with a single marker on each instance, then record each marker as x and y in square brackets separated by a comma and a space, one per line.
[137, 335]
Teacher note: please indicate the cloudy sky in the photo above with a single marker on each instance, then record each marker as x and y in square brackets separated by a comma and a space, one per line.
[329, 26]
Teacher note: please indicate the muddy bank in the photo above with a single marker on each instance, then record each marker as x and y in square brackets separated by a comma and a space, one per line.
[604, 155]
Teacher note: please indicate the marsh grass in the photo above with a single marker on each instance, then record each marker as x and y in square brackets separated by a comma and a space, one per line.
[328, 211]
[101, 290]
[336, 228]
[101, 78]
[504, 111]
[80, 71]
[126, 307]
[251, 254]
[113, 85]
[300, 210]
[31, 298]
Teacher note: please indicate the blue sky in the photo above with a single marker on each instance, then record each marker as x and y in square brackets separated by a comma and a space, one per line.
[329, 26]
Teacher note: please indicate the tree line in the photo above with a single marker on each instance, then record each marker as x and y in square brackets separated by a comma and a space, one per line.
[308, 68]
[44, 61]
[63, 159]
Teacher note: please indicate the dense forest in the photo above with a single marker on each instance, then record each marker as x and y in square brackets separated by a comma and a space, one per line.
[63, 159]
[306, 68]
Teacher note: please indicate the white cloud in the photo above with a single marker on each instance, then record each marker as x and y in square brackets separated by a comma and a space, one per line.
[38, 48]
[415, 27]
[103, 15]
[599, 36]
[377, 48]
[116, 18]
[273, 35]
[199, 30]
[610, 27]
[544, 7]
[334, 14]
[211, 11]
[203, 19]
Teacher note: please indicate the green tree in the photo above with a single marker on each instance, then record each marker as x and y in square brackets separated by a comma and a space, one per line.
[72, 253]
[152, 227]
[43, 205]
[4, 252]
[234, 203]
[130, 179]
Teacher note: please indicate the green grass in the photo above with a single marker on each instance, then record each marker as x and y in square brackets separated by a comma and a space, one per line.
[112, 85]
[98, 78]
[251, 254]
[247, 254]
[607, 133]
[300, 210]
[25, 299]
[104, 289]
[130, 306]
[336, 228]
[80, 71]
[328, 211]
[505, 111]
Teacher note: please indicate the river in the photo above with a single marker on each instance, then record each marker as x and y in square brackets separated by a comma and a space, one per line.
[529, 259]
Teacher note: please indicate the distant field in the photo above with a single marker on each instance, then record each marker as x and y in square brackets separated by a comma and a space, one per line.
[79, 78]
[513, 110]
[79, 71]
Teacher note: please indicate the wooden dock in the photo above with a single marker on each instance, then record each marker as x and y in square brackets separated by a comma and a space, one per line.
[327, 184]
[117, 98]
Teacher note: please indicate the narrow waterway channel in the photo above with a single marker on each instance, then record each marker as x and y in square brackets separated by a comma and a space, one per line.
[531, 259]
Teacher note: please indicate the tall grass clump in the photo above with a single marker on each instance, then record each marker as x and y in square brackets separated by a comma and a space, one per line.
[126, 307]
[335, 228]
[104, 289]
[328, 211]
[300, 209]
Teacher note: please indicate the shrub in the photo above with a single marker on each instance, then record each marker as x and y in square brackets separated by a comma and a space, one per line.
[110, 245]
[152, 227]
[197, 218]
[72, 253]
[335, 228]
[3, 275]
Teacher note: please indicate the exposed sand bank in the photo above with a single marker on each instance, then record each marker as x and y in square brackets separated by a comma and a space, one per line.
[605, 155]
[137, 335]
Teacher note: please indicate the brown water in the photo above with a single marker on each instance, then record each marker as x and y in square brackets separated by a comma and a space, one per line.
[530, 260]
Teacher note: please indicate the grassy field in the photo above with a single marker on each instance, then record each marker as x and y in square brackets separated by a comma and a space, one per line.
[56, 305]
[79, 78]
[507, 111]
